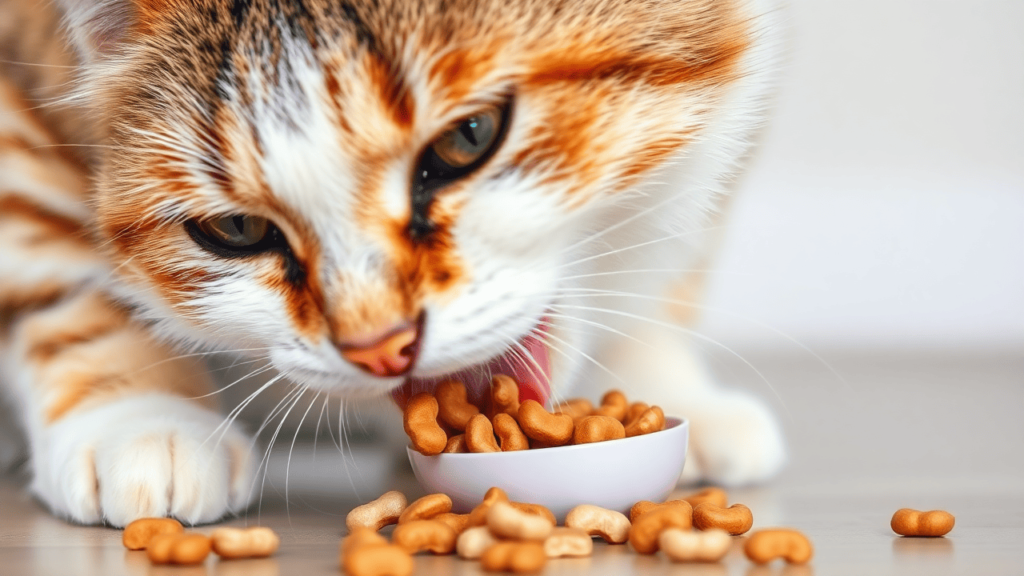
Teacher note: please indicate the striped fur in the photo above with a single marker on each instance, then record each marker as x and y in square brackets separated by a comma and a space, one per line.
[628, 121]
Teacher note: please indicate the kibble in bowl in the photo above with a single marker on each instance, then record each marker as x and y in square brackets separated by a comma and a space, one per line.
[612, 474]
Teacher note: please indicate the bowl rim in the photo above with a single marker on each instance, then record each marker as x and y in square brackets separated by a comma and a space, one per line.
[671, 423]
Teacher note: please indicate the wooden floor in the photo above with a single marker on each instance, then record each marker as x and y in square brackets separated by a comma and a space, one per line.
[922, 431]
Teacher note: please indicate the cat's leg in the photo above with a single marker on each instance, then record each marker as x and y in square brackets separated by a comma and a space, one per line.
[119, 428]
[734, 437]
[116, 426]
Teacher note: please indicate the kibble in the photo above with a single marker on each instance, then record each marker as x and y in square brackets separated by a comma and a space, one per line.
[934, 523]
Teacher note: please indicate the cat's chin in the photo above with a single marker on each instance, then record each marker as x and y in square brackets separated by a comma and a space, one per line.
[528, 362]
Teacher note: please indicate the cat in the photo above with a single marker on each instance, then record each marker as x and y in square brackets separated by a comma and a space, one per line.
[371, 196]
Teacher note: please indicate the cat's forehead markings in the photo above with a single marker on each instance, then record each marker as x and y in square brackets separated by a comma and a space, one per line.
[456, 72]
[395, 96]
[713, 61]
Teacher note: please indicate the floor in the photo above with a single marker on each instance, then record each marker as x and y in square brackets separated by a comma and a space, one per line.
[869, 433]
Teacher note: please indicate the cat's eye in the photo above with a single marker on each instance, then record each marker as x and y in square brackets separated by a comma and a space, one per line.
[236, 234]
[236, 231]
[471, 139]
[241, 236]
[457, 152]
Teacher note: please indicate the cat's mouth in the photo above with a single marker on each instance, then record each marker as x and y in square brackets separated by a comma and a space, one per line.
[528, 362]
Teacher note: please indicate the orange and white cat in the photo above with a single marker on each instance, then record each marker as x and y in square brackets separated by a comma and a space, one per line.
[373, 195]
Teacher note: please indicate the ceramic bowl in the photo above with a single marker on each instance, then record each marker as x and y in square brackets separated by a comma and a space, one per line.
[613, 474]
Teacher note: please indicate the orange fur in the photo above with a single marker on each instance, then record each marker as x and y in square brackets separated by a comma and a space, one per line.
[313, 115]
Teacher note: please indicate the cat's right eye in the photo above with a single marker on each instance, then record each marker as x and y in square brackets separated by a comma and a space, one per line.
[236, 234]
[236, 231]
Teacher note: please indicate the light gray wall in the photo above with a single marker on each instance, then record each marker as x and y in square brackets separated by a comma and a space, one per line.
[886, 205]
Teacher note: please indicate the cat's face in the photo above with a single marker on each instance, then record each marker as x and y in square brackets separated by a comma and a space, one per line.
[288, 177]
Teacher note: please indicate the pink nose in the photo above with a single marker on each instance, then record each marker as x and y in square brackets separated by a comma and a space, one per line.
[390, 354]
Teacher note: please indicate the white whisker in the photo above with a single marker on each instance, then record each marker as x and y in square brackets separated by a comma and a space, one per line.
[686, 331]
[291, 449]
[265, 462]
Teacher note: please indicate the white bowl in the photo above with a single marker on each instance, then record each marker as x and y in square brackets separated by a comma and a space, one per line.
[614, 474]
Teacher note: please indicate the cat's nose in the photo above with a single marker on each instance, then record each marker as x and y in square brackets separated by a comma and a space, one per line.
[387, 353]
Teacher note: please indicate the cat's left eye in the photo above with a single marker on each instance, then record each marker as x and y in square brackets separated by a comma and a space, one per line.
[457, 152]
[470, 140]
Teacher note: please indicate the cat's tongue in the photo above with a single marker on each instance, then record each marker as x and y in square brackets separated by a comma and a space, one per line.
[533, 375]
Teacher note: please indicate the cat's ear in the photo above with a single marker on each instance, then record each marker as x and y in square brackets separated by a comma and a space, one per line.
[97, 27]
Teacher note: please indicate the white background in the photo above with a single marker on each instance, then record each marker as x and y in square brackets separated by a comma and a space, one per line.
[885, 207]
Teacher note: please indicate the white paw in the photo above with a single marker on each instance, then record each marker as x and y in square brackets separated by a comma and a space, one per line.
[734, 440]
[142, 456]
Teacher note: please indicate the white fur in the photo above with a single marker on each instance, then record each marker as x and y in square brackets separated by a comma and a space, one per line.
[141, 456]
[525, 250]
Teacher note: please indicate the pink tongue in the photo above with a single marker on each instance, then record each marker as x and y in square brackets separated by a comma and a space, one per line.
[533, 374]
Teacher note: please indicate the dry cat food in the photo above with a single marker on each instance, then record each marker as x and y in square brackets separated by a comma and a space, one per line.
[420, 420]
[424, 535]
[643, 534]
[457, 522]
[503, 535]
[178, 549]
[684, 546]
[908, 522]
[137, 535]
[166, 542]
[735, 519]
[364, 552]
[377, 514]
[255, 542]
[568, 543]
[426, 508]
[763, 546]
[716, 496]
[610, 525]
[505, 425]
[478, 516]
[509, 523]
[511, 556]
[518, 537]
[535, 509]
[473, 542]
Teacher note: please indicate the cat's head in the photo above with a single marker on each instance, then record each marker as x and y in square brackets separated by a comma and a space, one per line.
[301, 179]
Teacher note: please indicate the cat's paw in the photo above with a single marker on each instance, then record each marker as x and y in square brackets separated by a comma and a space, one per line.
[143, 456]
[735, 440]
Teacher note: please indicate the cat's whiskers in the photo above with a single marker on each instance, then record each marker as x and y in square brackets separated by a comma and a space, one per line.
[291, 449]
[579, 292]
[198, 354]
[595, 324]
[316, 429]
[258, 371]
[36, 64]
[231, 416]
[645, 212]
[634, 246]
[581, 353]
[653, 271]
[343, 436]
[330, 430]
[688, 332]
[228, 419]
[290, 400]
[56, 102]
[521, 354]
[46, 146]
